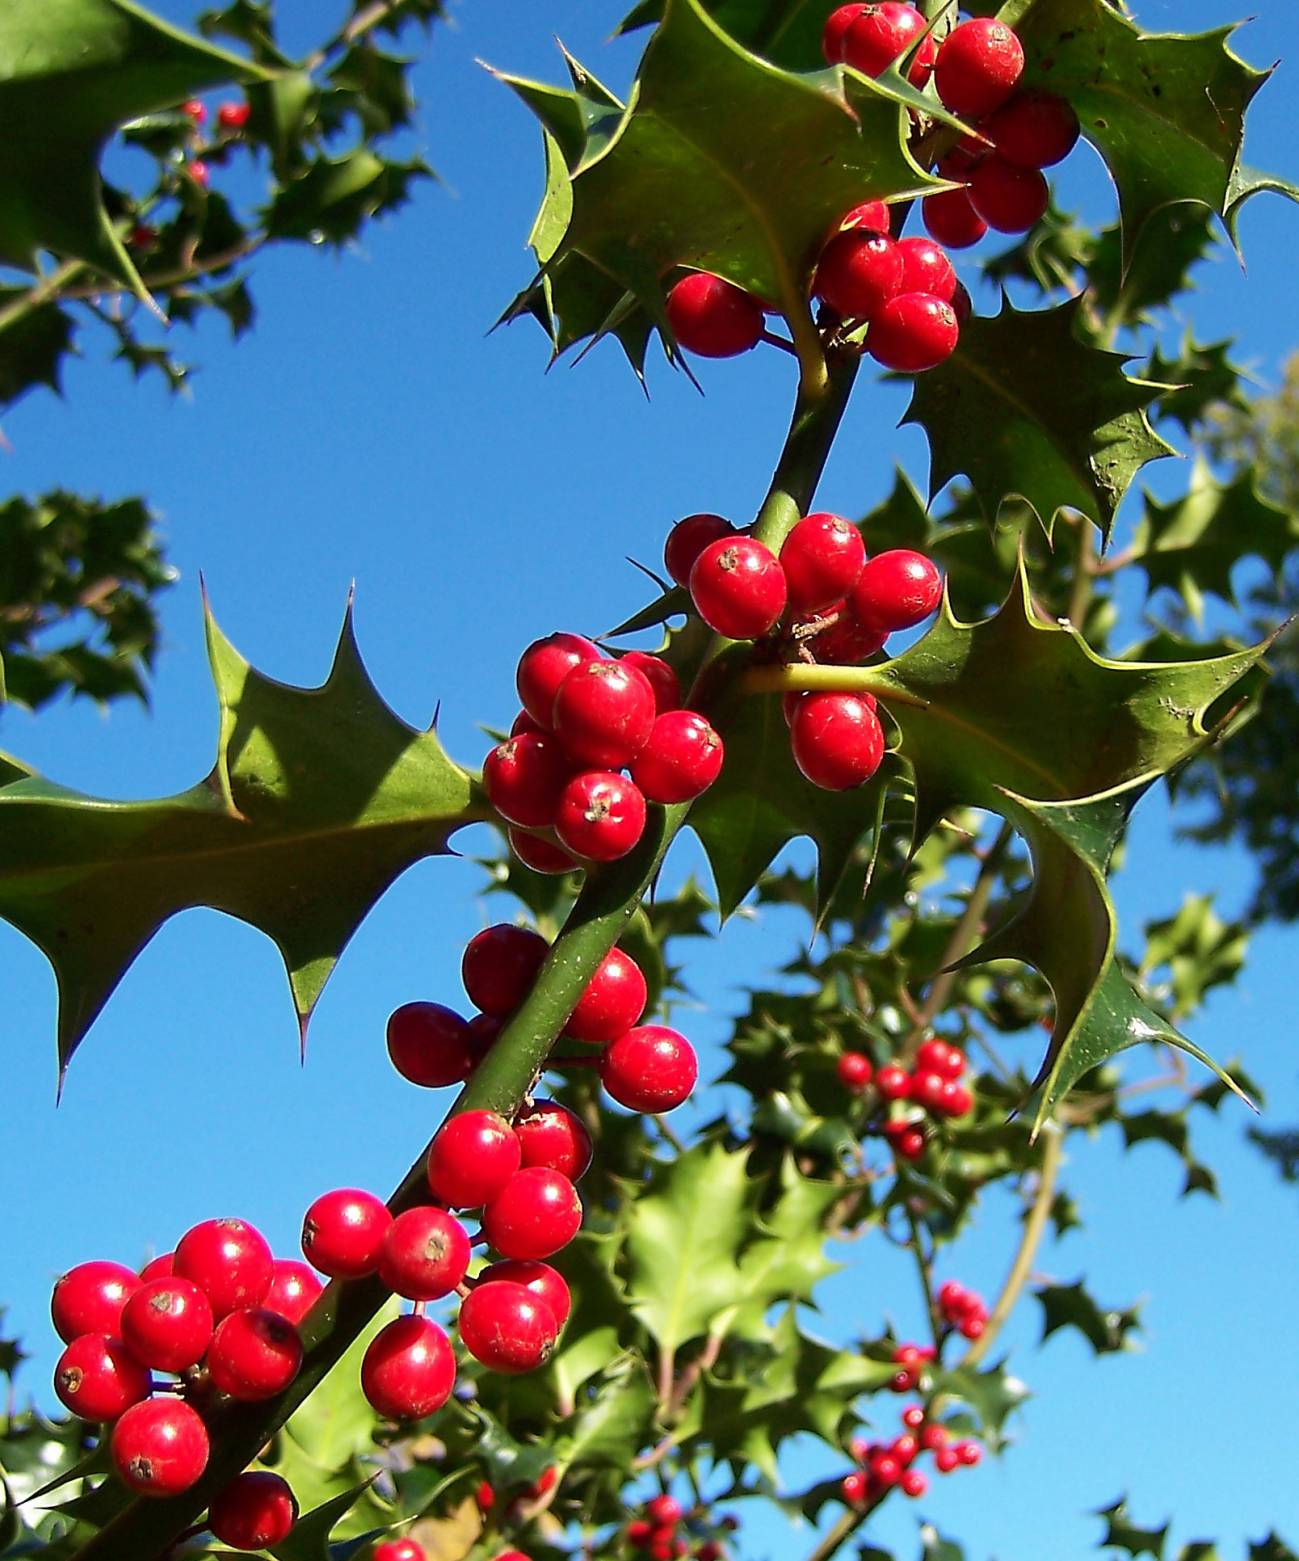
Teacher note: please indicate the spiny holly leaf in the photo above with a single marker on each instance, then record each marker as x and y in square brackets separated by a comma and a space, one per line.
[309, 1540]
[615, 1423]
[34, 347]
[1205, 381]
[318, 800]
[1191, 545]
[71, 72]
[748, 194]
[1199, 950]
[990, 1393]
[1122, 1534]
[1070, 1306]
[1026, 408]
[788, 34]
[1273, 1548]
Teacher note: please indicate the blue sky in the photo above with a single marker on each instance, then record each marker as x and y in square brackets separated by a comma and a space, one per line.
[370, 430]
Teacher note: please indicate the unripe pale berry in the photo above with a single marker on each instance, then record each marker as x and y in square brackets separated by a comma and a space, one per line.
[952, 219]
[255, 1510]
[98, 1378]
[499, 966]
[712, 317]
[858, 272]
[821, 557]
[342, 1232]
[524, 775]
[229, 1259]
[601, 815]
[542, 856]
[651, 1068]
[926, 269]
[545, 1283]
[1009, 199]
[159, 1447]
[409, 1369]
[254, 1354]
[544, 666]
[429, 1044]
[535, 1214]
[837, 740]
[1033, 129]
[293, 1291]
[663, 680]
[687, 540]
[603, 715]
[472, 1158]
[424, 1255]
[681, 760]
[897, 590]
[738, 587]
[913, 332]
[978, 66]
[167, 1323]
[507, 1327]
[553, 1138]
[89, 1299]
[614, 1000]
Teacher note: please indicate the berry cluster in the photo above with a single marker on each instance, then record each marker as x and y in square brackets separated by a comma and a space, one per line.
[885, 1465]
[661, 1534]
[585, 719]
[934, 1084]
[231, 119]
[827, 601]
[963, 1310]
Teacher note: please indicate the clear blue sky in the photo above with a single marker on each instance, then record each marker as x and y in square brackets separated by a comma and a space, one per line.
[369, 430]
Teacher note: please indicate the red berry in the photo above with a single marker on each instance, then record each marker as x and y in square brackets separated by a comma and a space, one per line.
[664, 1511]
[681, 760]
[614, 1000]
[601, 815]
[1033, 130]
[858, 272]
[472, 1158]
[914, 1417]
[199, 172]
[836, 27]
[507, 1327]
[847, 642]
[663, 680]
[837, 740]
[425, 1254]
[483, 1031]
[885, 1469]
[951, 218]
[234, 116]
[485, 1497]
[978, 65]
[293, 1291]
[523, 722]
[156, 1268]
[255, 1510]
[97, 1378]
[159, 1447]
[142, 236]
[854, 1071]
[167, 1324]
[870, 214]
[932, 1057]
[961, 304]
[712, 317]
[553, 1138]
[399, 1550]
[229, 1260]
[933, 1437]
[854, 1488]
[897, 590]
[968, 1452]
[946, 1459]
[542, 856]
[882, 34]
[911, 1144]
[429, 1044]
[89, 1299]
[738, 587]
[196, 110]
[499, 966]
[957, 1100]
[535, 1214]
[544, 666]
[409, 1369]
[544, 1282]
[952, 1296]
[254, 1354]
[710, 1550]
[893, 1082]
[914, 1483]
[650, 1068]
[342, 1232]
[524, 776]
[925, 269]
[973, 1327]
[639, 1533]
[1009, 199]
[603, 715]
[687, 540]
[822, 557]
[913, 332]
[927, 1089]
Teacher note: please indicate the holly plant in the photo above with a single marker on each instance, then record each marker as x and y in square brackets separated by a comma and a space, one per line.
[607, 1346]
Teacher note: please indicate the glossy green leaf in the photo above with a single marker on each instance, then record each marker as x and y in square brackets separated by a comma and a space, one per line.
[318, 800]
[1122, 1534]
[1070, 1306]
[615, 1424]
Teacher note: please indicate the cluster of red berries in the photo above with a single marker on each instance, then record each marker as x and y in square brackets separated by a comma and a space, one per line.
[231, 119]
[934, 1084]
[828, 600]
[585, 719]
[886, 1465]
[659, 1532]
[963, 1310]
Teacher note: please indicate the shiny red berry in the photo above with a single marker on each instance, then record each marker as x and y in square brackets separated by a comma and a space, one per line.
[972, 1327]
[681, 760]
[932, 1437]
[847, 642]
[663, 680]
[1033, 129]
[229, 1259]
[870, 214]
[857, 274]
[913, 1418]
[342, 1232]
[536, 1214]
[234, 116]
[601, 815]
[409, 1369]
[89, 1299]
[98, 1378]
[913, 333]
[196, 110]
[524, 776]
[738, 587]
[157, 1267]
[897, 590]
[712, 317]
[837, 740]
[821, 557]
[854, 1488]
[424, 1255]
[293, 1292]
[399, 1550]
[952, 220]
[167, 1323]
[507, 1327]
[614, 1000]
[885, 1469]
[1009, 199]
[499, 966]
[893, 1082]
[927, 1089]
[968, 1452]
[883, 33]
[854, 1071]
[255, 1510]
[199, 173]
[914, 1483]
[835, 30]
[254, 1354]
[957, 1100]
[603, 715]
[472, 1158]
[552, 1138]
[429, 1044]
[542, 856]
[159, 1447]
[545, 1283]
[978, 66]
[651, 1068]
[925, 269]
[664, 1511]
[544, 666]
[935, 1057]
[946, 1459]
[687, 540]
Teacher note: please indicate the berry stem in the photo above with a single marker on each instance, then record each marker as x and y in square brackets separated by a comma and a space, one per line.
[801, 677]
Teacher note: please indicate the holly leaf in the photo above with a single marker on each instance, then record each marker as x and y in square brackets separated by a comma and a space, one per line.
[72, 72]
[1122, 1534]
[1070, 1306]
[614, 1424]
[318, 800]
[1204, 381]
[934, 1547]
[991, 1394]
[1198, 949]
[309, 1540]
[1273, 1548]
[1026, 408]
[34, 347]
